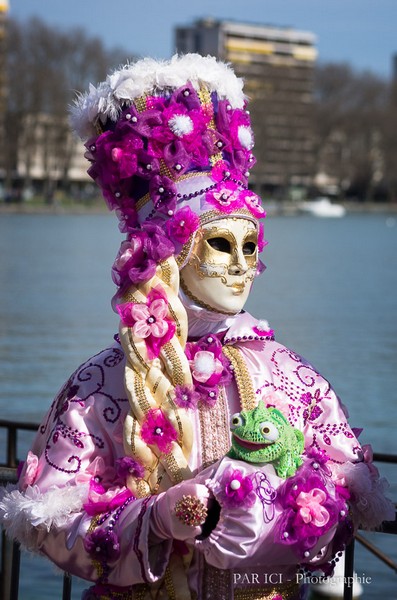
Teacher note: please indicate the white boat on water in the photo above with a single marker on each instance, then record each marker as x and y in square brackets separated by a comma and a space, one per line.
[322, 207]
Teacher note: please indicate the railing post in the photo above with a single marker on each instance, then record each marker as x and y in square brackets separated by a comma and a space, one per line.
[67, 586]
[10, 563]
[349, 569]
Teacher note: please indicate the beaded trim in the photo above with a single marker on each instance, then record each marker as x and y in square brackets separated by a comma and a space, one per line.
[214, 431]
[242, 377]
[284, 591]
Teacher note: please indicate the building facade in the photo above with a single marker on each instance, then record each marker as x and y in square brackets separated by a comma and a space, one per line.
[277, 65]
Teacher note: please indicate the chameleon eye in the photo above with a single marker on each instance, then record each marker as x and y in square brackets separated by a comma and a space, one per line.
[236, 421]
[269, 431]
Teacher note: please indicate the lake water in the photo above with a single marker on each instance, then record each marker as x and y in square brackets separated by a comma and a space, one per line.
[330, 293]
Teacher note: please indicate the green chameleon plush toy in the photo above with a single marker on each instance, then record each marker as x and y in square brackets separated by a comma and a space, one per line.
[263, 435]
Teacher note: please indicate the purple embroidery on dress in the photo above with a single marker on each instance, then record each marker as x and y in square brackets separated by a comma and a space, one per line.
[64, 431]
[313, 411]
[94, 374]
[266, 494]
[114, 359]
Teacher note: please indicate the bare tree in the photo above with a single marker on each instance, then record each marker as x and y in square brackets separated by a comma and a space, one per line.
[348, 120]
[45, 68]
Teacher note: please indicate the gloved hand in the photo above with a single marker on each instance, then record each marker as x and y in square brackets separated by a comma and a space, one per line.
[180, 512]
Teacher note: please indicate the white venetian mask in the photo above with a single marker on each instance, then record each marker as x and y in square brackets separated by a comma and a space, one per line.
[222, 265]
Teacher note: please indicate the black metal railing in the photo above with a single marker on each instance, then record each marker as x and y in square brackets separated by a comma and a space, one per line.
[10, 551]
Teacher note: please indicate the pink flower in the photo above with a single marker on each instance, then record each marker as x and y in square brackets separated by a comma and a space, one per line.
[311, 509]
[254, 204]
[237, 490]
[204, 365]
[157, 430]
[149, 321]
[182, 225]
[226, 197]
[31, 469]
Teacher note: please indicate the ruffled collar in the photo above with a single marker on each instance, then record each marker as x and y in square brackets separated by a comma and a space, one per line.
[241, 327]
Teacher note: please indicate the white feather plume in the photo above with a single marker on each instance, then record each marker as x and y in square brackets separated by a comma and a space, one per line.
[24, 514]
[151, 76]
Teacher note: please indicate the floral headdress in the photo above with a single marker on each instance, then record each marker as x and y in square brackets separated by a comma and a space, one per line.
[170, 145]
[171, 148]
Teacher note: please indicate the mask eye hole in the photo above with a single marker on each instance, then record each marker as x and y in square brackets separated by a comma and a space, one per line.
[269, 431]
[236, 420]
[249, 248]
[219, 243]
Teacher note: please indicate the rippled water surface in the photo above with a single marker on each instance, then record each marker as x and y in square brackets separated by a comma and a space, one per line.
[330, 292]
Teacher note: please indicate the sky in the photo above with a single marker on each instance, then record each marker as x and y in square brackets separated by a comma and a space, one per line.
[360, 32]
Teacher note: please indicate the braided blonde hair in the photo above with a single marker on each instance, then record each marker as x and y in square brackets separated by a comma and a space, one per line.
[150, 384]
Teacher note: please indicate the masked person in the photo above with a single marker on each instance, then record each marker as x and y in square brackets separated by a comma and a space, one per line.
[129, 483]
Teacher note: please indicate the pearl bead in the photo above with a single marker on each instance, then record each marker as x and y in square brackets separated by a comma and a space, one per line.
[235, 484]
[306, 554]
[315, 465]
[227, 173]
[117, 194]
[93, 148]
[178, 167]
[158, 431]
[150, 320]
[161, 190]
[134, 119]
[295, 487]
[186, 93]
[285, 534]
[219, 144]
[210, 340]
[128, 116]
[149, 167]
[342, 513]
[170, 213]
[247, 174]
[228, 107]
[182, 223]
[211, 394]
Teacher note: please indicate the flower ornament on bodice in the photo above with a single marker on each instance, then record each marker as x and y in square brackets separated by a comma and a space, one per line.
[209, 367]
[311, 506]
[234, 489]
[149, 321]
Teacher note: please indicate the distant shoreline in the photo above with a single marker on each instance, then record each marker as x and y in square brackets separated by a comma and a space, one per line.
[272, 208]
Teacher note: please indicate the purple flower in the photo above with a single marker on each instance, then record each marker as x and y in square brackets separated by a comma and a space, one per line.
[157, 430]
[236, 490]
[102, 545]
[186, 396]
[162, 191]
[129, 467]
[309, 509]
[139, 256]
[182, 225]
[183, 137]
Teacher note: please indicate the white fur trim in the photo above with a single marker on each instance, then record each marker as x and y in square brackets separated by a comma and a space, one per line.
[152, 76]
[23, 514]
